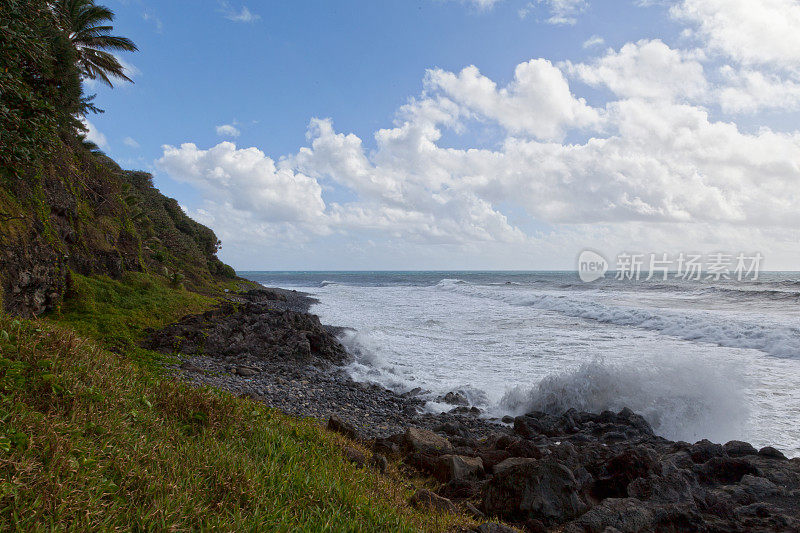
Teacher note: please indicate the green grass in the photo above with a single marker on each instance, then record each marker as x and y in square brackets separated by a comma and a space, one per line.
[91, 439]
[117, 312]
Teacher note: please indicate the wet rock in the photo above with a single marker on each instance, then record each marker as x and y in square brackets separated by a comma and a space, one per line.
[772, 453]
[425, 499]
[704, 450]
[622, 469]
[737, 448]
[545, 490]
[527, 427]
[453, 398]
[726, 470]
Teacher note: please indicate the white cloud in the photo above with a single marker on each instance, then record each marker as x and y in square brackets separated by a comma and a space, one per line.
[749, 91]
[245, 180]
[564, 11]
[537, 102]
[239, 15]
[131, 142]
[652, 168]
[228, 130]
[483, 4]
[94, 135]
[646, 69]
[594, 40]
[749, 31]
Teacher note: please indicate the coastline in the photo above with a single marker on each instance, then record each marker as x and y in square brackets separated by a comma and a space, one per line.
[575, 471]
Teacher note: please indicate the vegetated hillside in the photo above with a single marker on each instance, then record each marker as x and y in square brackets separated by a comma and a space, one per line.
[78, 211]
[64, 206]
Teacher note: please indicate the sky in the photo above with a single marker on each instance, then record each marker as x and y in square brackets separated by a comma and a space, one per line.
[458, 135]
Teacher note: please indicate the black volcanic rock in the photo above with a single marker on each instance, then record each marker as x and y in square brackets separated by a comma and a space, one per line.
[255, 329]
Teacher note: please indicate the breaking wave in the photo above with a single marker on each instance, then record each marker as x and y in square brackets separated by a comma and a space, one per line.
[683, 399]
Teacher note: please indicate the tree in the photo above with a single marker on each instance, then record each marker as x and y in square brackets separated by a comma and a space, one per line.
[88, 28]
[40, 87]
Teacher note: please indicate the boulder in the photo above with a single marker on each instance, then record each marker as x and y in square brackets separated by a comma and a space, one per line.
[246, 371]
[453, 398]
[702, 451]
[772, 453]
[527, 427]
[357, 457]
[543, 490]
[626, 515]
[335, 423]
[425, 441]
[622, 469]
[737, 448]
[726, 470]
[512, 462]
[450, 467]
[492, 457]
[460, 489]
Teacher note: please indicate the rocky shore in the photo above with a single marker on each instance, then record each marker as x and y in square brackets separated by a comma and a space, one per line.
[569, 472]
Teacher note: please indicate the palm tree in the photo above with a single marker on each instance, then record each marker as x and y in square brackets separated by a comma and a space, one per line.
[88, 30]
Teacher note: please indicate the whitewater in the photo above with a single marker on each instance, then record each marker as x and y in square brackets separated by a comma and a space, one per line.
[699, 359]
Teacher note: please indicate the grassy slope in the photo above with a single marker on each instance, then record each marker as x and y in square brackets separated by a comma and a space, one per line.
[94, 439]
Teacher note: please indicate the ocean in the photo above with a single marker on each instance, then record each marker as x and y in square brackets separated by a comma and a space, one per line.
[699, 359]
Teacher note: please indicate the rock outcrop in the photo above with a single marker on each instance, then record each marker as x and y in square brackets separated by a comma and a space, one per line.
[584, 472]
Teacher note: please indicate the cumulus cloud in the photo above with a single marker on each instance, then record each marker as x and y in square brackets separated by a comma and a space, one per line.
[654, 163]
[537, 102]
[228, 130]
[749, 91]
[245, 180]
[645, 69]
[760, 32]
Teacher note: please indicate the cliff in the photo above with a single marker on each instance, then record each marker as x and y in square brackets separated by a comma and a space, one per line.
[78, 212]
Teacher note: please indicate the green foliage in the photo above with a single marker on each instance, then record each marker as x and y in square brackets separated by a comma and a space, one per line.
[40, 88]
[118, 311]
[88, 26]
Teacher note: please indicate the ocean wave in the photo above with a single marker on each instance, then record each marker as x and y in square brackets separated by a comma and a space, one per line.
[779, 341]
[697, 326]
[682, 398]
[448, 282]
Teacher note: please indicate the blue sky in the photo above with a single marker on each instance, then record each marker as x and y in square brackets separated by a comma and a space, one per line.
[256, 74]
